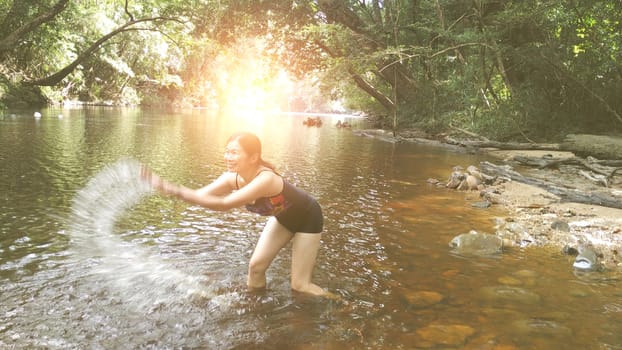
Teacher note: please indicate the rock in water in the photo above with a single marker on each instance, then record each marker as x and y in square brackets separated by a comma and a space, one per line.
[475, 243]
[509, 295]
[587, 259]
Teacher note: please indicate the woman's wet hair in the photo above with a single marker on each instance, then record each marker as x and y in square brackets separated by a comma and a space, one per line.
[251, 144]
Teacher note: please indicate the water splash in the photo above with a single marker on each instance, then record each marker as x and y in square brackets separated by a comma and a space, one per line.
[137, 273]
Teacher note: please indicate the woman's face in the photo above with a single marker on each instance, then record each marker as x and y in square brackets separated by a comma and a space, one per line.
[236, 158]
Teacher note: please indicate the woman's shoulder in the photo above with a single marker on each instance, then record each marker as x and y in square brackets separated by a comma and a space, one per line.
[228, 177]
[268, 177]
[269, 171]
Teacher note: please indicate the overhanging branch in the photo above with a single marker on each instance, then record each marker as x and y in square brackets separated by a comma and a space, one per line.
[57, 77]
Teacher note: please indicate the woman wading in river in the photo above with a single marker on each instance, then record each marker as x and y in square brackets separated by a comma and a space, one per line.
[252, 182]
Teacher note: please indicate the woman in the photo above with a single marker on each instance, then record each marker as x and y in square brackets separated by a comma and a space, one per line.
[253, 182]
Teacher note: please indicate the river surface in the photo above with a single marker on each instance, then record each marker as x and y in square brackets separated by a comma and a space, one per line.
[91, 259]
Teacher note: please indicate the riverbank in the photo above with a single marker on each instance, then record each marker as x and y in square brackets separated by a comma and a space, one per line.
[536, 217]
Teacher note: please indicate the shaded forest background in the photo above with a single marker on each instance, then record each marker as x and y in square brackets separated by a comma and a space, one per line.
[509, 70]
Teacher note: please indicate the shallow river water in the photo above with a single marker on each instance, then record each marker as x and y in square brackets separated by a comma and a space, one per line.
[91, 259]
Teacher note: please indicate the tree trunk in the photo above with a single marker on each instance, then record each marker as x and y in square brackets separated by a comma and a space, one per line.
[373, 92]
[385, 101]
[393, 72]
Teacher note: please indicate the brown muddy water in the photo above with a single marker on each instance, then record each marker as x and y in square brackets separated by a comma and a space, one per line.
[89, 258]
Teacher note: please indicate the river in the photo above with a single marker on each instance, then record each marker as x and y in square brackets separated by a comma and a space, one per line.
[89, 258]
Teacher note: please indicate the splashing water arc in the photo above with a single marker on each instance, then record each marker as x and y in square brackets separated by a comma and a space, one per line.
[105, 197]
[134, 271]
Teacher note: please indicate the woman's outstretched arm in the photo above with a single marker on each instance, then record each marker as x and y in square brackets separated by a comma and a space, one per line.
[219, 195]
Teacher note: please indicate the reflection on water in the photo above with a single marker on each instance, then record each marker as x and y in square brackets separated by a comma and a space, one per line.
[89, 258]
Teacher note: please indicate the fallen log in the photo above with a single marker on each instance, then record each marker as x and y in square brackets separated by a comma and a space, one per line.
[505, 145]
[602, 171]
[599, 146]
[596, 178]
[565, 194]
[598, 166]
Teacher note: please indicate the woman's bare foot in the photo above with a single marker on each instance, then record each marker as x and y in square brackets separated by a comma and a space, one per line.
[315, 290]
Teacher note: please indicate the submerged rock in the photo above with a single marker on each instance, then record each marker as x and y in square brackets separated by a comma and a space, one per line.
[541, 327]
[476, 243]
[509, 281]
[420, 299]
[449, 335]
[481, 204]
[509, 295]
[587, 259]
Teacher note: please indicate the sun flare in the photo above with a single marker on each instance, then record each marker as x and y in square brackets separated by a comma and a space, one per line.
[248, 82]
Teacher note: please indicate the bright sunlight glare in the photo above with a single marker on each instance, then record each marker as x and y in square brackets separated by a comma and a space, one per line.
[248, 83]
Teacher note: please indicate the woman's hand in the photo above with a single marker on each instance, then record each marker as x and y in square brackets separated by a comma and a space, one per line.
[158, 183]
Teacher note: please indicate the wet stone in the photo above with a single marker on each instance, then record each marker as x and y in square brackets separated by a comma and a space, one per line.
[481, 204]
[476, 243]
[568, 250]
[450, 335]
[540, 327]
[587, 259]
[508, 295]
[560, 226]
[504, 314]
[510, 281]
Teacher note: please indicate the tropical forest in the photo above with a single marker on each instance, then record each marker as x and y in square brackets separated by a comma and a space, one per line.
[528, 70]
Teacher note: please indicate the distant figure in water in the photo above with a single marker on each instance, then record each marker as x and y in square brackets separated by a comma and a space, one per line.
[252, 182]
[317, 121]
[341, 124]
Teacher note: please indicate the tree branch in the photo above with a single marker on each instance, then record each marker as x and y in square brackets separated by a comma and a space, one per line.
[385, 101]
[60, 75]
[11, 40]
[127, 12]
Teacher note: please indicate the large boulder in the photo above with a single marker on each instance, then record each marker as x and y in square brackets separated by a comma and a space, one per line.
[598, 146]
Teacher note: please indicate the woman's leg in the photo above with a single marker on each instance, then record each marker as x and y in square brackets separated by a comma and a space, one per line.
[304, 252]
[273, 237]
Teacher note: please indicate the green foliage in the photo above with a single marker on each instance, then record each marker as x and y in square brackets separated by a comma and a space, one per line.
[510, 70]
[147, 52]
[16, 94]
